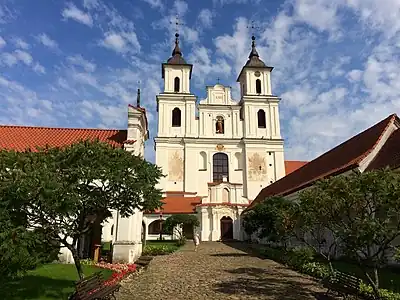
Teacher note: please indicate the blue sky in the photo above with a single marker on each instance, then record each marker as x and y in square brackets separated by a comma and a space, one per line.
[78, 63]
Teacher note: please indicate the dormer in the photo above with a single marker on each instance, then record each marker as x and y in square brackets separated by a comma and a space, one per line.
[176, 72]
[255, 76]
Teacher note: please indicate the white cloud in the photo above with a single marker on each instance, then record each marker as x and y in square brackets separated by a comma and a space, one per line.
[2, 42]
[72, 12]
[155, 3]
[45, 40]
[205, 17]
[38, 68]
[78, 60]
[181, 7]
[20, 43]
[121, 42]
[23, 56]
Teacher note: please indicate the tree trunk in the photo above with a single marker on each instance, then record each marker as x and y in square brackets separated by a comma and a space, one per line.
[77, 261]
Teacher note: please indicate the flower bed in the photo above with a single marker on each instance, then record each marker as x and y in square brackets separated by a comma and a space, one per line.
[120, 271]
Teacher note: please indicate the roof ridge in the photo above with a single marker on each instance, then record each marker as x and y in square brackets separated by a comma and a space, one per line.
[59, 128]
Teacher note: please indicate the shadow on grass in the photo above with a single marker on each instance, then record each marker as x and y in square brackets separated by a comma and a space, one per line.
[260, 282]
[37, 287]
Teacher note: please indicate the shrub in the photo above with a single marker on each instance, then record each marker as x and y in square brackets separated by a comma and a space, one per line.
[181, 241]
[385, 294]
[315, 269]
[298, 257]
[87, 261]
[154, 250]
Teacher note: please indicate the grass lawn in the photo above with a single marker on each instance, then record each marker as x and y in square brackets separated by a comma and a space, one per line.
[389, 277]
[47, 282]
[160, 243]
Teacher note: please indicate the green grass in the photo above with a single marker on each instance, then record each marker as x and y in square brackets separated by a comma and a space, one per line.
[47, 282]
[389, 277]
[160, 243]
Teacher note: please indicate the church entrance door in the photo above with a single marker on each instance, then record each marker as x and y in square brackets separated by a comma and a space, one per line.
[226, 228]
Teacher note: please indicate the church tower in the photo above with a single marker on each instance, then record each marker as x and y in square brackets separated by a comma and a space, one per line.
[176, 105]
[263, 144]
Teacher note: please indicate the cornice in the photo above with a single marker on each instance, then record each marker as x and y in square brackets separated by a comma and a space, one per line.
[213, 141]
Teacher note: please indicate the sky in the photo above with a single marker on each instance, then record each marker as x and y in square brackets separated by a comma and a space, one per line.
[79, 63]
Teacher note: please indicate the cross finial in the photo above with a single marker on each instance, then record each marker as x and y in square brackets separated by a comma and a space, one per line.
[177, 24]
[253, 29]
[218, 80]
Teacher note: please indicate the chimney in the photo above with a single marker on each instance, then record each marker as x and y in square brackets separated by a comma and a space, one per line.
[138, 98]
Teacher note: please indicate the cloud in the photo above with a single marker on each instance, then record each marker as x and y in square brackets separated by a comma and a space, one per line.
[72, 12]
[13, 58]
[155, 3]
[180, 7]
[78, 60]
[122, 42]
[38, 68]
[2, 42]
[20, 43]
[45, 40]
[205, 17]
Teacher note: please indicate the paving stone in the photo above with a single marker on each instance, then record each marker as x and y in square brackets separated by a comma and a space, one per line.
[217, 271]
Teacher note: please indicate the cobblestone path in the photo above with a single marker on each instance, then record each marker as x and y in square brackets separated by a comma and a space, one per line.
[216, 271]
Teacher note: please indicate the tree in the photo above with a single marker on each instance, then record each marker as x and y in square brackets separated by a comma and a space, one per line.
[272, 219]
[363, 211]
[175, 223]
[67, 192]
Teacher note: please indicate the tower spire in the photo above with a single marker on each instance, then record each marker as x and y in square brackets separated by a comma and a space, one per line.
[253, 47]
[138, 98]
[177, 50]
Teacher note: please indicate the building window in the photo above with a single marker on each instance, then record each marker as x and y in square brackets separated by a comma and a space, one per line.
[220, 167]
[219, 125]
[261, 118]
[203, 161]
[176, 117]
[176, 84]
[258, 86]
[155, 226]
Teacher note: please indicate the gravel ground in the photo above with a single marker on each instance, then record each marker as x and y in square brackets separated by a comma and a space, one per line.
[217, 271]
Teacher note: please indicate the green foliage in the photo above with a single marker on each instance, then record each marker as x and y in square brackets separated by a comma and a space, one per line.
[363, 212]
[397, 254]
[87, 262]
[47, 282]
[272, 219]
[64, 192]
[383, 293]
[161, 249]
[175, 223]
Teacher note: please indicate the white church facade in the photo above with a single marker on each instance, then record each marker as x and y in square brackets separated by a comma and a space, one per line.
[216, 153]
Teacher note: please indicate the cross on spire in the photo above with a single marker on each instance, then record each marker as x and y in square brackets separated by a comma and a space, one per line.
[253, 28]
[218, 80]
[177, 24]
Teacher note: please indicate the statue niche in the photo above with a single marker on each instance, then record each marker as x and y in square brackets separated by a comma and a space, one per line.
[219, 125]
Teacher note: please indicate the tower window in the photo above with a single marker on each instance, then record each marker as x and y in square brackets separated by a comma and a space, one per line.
[261, 118]
[219, 125]
[176, 84]
[258, 86]
[176, 117]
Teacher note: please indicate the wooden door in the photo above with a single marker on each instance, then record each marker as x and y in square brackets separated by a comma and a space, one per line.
[226, 228]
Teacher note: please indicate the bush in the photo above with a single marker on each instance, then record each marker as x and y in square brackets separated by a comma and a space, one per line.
[154, 250]
[181, 241]
[315, 269]
[385, 294]
[298, 257]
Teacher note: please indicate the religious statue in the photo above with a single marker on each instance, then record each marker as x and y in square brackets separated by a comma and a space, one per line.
[220, 125]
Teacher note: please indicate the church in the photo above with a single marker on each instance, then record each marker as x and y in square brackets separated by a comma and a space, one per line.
[216, 153]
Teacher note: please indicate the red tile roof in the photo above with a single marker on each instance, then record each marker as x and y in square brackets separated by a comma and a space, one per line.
[293, 165]
[20, 138]
[341, 158]
[179, 205]
[224, 203]
[389, 155]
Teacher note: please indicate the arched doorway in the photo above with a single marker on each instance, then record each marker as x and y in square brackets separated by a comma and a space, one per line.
[226, 228]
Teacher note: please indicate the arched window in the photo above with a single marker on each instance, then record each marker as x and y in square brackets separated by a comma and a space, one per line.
[258, 86]
[225, 195]
[238, 160]
[176, 117]
[261, 118]
[219, 125]
[203, 161]
[220, 167]
[154, 227]
[176, 84]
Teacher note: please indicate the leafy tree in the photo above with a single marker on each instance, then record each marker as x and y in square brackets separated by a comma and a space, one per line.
[69, 192]
[363, 211]
[175, 223]
[272, 219]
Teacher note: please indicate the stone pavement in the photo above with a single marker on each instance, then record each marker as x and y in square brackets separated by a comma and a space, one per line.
[217, 271]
